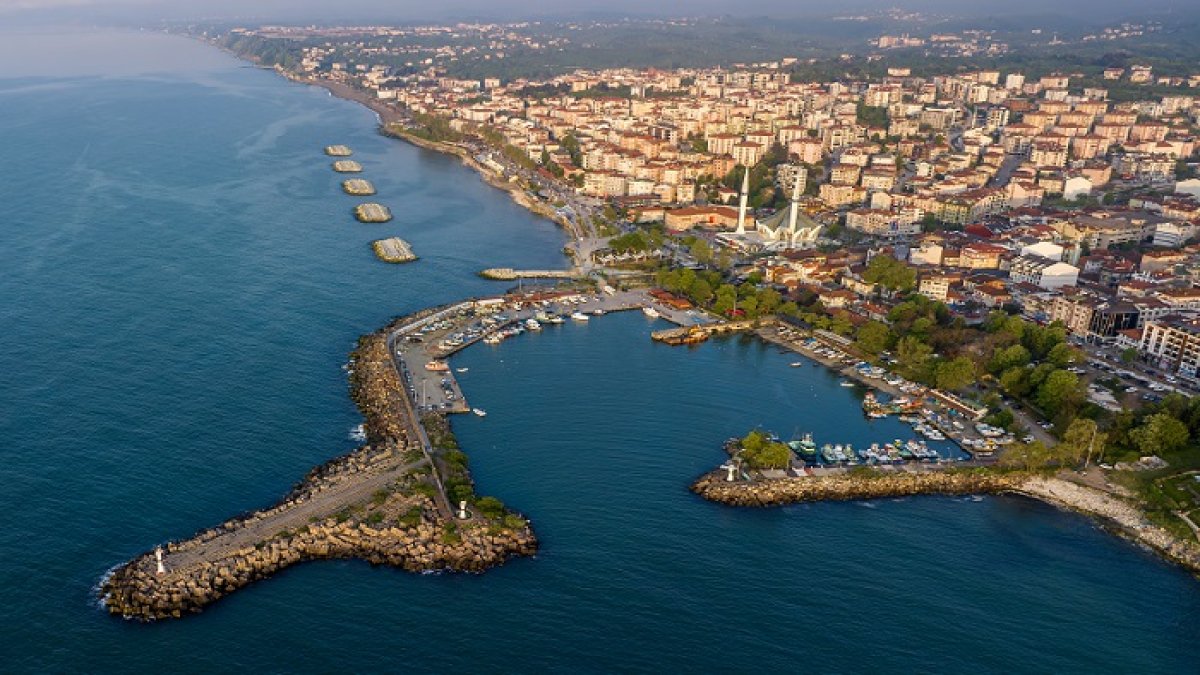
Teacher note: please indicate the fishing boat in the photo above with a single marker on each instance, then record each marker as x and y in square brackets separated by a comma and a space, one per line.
[651, 312]
[479, 412]
[805, 447]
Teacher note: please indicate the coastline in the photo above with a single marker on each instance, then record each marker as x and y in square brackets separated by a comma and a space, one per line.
[1113, 514]
[391, 125]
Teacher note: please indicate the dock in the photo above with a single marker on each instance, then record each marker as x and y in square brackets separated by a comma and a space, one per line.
[358, 187]
[699, 333]
[510, 274]
[338, 151]
[393, 250]
[371, 212]
[347, 166]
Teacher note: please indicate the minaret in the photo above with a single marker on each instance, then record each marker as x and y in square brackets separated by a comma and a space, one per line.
[741, 226]
[794, 209]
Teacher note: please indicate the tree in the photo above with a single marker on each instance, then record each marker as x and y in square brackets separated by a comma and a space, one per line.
[1129, 354]
[913, 357]
[1160, 433]
[1081, 442]
[1015, 381]
[701, 251]
[956, 374]
[1027, 455]
[1060, 392]
[1062, 355]
[890, 273]
[873, 337]
[1002, 360]
[701, 292]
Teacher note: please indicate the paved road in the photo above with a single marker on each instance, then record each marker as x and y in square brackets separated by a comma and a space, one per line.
[354, 490]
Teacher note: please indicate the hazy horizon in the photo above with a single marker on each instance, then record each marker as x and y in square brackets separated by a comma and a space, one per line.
[16, 12]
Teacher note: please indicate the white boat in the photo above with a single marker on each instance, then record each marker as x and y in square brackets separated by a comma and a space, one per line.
[557, 319]
[650, 312]
[479, 412]
[598, 312]
[579, 316]
[847, 383]
[796, 364]
[532, 324]
[461, 370]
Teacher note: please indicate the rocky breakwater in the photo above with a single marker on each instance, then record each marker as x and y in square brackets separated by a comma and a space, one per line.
[854, 485]
[378, 503]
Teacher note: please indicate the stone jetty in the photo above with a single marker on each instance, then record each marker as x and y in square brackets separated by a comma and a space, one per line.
[510, 274]
[384, 503]
[338, 151]
[853, 485]
[372, 213]
[347, 166]
[393, 250]
[358, 187]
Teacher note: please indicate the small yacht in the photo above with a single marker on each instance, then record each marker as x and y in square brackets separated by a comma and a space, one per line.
[532, 324]
[650, 312]
[479, 412]
[847, 383]
[796, 364]
[461, 370]
[579, 316]
[557, 318]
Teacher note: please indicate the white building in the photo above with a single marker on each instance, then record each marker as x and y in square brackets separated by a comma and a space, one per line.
[1043, 273]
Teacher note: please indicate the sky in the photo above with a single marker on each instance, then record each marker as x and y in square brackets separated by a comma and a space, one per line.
[347, 11]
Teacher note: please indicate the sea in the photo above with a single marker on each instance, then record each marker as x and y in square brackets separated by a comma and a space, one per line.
[181, 280]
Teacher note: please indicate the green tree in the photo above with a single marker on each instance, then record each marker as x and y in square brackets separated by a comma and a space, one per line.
[1081, 442]
[914, 358]
[1016, 356]
[956, 374]
[1128, 355]
[1063, 355]
[1160, 433]
[1060, 392]
[1015, 381]
[702, 251]
[890, 273]
[1027, 455]
[701, 292]
[873, 337]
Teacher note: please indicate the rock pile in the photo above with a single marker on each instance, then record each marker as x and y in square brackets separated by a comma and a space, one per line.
[775, 492]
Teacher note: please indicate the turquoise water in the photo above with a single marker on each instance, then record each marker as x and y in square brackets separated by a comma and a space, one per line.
[180, 280]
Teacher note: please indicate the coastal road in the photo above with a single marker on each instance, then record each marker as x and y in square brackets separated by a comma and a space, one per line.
[350, 491]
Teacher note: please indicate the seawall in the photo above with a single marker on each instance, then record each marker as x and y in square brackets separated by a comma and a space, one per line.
[1115, 514]
[850, 486]
[382, 503]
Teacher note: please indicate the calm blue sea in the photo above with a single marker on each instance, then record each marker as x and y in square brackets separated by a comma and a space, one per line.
[180, 281]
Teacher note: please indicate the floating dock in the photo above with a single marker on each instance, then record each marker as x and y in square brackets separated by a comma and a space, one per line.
[358, 187]
[338, 151]
[347, 166]
[393, 250]
[372, 213]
